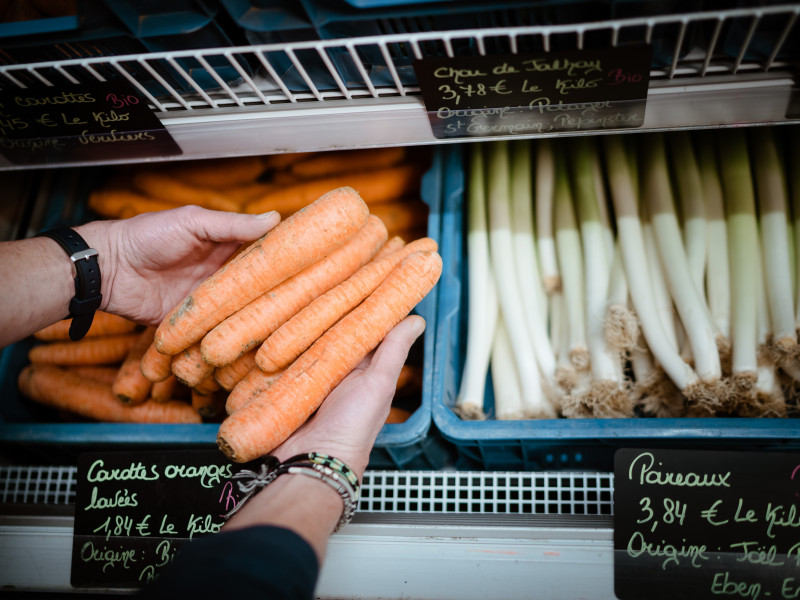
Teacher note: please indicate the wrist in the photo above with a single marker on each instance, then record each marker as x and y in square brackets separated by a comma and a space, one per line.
[96, 234]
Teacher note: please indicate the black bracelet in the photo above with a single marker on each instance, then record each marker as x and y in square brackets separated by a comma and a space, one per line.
[87, 297]
[326, 468]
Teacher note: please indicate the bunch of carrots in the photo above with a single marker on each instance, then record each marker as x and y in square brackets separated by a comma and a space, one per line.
[387, 178]
[652, 275]
[268, 336]
[99, 377]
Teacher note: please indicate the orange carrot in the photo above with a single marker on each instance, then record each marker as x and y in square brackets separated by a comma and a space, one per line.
[401, 216]
[247, 328]
[340, 162]
[189, 367]
[112, 203]
[103, 350]
[217, 173]
[292, 338]
[130, 385]
[163, 186]
[61, 389]
[410, 379]
[209, 405]
[250, 386]
[102, 373]
[397, 415]
[271, 417]
[287, 249]
[394, 243]
[382, 185]
[103, 324]
[165, 390]
[279, 162]
[207, 386]
[156, 366]
[231, 374]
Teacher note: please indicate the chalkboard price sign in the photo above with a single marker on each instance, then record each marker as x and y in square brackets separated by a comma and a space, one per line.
[513, 94]
[706, 524]
[134, 510]
[79, 123]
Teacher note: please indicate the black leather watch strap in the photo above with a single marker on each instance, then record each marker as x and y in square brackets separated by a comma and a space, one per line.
[87, 297]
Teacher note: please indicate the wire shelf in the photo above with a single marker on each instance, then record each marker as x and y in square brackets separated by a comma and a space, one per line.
[691, 45]
[384, 491]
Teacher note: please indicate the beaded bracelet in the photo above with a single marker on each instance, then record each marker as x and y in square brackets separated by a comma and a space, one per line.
[326, 468]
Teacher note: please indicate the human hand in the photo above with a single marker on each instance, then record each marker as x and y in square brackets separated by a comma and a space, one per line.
[348, 421]
[150, 262]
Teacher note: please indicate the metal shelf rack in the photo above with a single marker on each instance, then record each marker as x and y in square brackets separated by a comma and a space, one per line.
[361, 92]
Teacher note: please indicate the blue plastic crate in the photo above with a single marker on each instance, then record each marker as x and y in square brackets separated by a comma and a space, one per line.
[555, 443]
[411, 445]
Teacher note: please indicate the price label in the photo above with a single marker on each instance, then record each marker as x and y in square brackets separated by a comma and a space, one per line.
[109, 120]
[706, 525]
[134, 510]
[523, 94]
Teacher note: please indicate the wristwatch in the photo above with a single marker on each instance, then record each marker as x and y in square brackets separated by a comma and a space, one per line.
[87, 297]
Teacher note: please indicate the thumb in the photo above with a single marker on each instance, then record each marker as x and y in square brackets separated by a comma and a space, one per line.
[392, 352]
[236, 227]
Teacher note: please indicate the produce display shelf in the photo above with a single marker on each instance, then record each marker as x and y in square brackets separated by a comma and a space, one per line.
[24, 424]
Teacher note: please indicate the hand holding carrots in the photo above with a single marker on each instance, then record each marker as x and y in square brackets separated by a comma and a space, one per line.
[152, 261]
[350, 418]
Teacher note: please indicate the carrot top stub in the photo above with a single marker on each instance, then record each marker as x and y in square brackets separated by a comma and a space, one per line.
[297, 242]
[269, 418]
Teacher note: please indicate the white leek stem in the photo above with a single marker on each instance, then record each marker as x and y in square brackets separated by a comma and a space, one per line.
[740, 209]
[718, 286]
[570, 265]
[772, 208]
[482, 298]
[545, 240]
[689, 302]
[508, 404]
[692, 205]
[629, 233]
[596, 263]
[525, 260]
[621, 329]
[502, 256]
[661, 297]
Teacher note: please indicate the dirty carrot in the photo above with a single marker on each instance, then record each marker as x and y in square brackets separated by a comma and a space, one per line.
[285, 250]
[154, 365]
[402, 216]
[397, 415]
[130, 385]
[61, 389]
[209, 405]
[163, 186]
[207, 385]
[231, 374]
[189, 367]
[394, 243]
[103, 373]
[381, 185]
[165, 390]
[218, 173]
[342, 162]
[289, 340]
[247, 328]
[103, 324]
[271, 417]
[251, 385]
[112, 203]
[103, 350]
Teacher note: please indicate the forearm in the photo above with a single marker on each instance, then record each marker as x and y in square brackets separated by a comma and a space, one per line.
[39, 281]
[307, 506]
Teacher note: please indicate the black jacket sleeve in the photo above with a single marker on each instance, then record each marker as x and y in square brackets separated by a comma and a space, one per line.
[256, 562]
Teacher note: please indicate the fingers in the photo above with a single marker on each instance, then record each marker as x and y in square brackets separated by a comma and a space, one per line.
[392, 353]
[219, 226]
